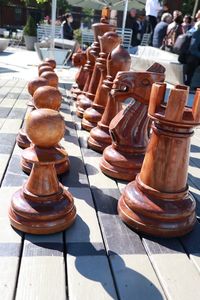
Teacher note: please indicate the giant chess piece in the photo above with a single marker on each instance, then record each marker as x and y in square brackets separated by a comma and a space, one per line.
[88, 69]
[93, 114]
[118, 60]
[79, 59]
[129, 128]
[48, 97]
[42, 205]
[85, 100]
[22, 139]
[158, 201]
[52, 78]
[51, 61]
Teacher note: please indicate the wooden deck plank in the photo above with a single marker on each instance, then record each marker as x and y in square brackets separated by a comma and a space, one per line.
[173, 266]
[87, 264]
[10, 247]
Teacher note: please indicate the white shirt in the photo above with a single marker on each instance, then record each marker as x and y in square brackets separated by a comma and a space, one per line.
[152, 8]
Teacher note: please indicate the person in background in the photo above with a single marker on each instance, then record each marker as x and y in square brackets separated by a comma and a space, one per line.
[187, 23]
[161, 30]
[173, 33]
[152, 9]
[175, 14]
[67, 31]
[193, 58]
[132, 23]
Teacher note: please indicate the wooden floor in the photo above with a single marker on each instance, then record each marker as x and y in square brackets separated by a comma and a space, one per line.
[98, 257]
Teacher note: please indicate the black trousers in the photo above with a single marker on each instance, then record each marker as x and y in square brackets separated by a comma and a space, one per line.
[192, 62]
[151, 22]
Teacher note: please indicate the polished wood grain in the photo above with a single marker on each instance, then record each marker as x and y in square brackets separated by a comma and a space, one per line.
[51, 61]
[44, 69]
[129, 128]
[158, 201]
[118, 60]
[86, 100]
[51, 77]
[43, 205]
[94, 113]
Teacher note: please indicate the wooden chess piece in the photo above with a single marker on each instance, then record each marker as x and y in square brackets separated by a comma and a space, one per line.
[158, 201]
[79, 59]
[129, 128]
[43, 69]
[51, 61]
[48, 97]
[51, 77]
[22, 139]
[93, 114]
[42, 205]
[118, 60]
[44, 64]
[85, 100]
[88, 69]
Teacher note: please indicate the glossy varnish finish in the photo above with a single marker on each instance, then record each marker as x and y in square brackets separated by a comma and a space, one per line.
[129, 128]
[118, 60]
[86, 100]
[158, 202]
[94, 113]
[42, 205]
[79, 59]
[47, 97]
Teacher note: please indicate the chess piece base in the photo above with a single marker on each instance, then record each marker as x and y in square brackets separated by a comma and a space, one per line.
[92, 116]
[61, 167]
[99, 139]
[22, 139]
[31, 217]
[166, 215]
[84, 103]
[120, 165]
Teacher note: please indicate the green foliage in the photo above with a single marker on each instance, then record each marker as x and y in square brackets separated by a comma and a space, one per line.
[30, 27]
[78, 35]
[187, 6]
[88, 13]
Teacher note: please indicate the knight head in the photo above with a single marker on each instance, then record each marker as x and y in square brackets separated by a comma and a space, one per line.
[136, 85]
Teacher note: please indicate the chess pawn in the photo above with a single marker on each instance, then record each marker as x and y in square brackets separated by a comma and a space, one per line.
[129, 128]
[88, 69]
[51, 61]
[42, 205]
[79, 59]
[43, 69]
[22, 139]
[51, 77]
[118, 60]
[93, 114]
[48, 97]
[85, 100]
[158, 201]
[44, 64]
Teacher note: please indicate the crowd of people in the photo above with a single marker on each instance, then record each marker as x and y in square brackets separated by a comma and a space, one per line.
[164, 29]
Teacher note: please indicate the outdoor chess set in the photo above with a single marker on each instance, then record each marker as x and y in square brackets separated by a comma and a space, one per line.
[146, 143]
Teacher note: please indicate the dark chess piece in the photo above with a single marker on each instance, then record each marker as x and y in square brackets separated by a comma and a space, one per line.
[42, 205]
[93, 114]
[43, 69]
[158, 201]
[86, 99]
[118, 60]
[51, 77]
[51, 61]
[88, 69]
[129, 128]
[48, 97]
[79, 59]
[22, 139]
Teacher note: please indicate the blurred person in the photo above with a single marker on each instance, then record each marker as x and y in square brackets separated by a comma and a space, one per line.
[193, 57]
[175, 14]
[132, 23]
[152, 9]
[161, 30]
[173, 32]
[67, 31]
[187, 23]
